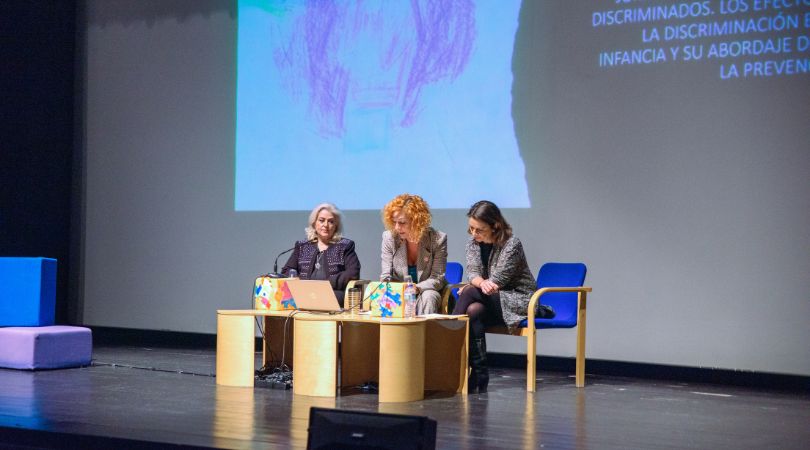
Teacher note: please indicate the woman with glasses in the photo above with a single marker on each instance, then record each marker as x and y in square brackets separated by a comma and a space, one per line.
[501, 285]
[410, 246]
[325, 254]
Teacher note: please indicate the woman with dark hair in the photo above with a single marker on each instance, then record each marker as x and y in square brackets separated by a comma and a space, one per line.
[501, 284]
[325, 254]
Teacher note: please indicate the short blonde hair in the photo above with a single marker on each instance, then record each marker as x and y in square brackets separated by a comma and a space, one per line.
[415, 209]
[313, 216]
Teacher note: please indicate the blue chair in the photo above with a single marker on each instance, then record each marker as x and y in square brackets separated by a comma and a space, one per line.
[559, 285]
[453, 275]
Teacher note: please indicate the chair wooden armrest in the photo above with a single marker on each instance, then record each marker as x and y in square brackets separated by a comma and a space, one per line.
[540, 292]
[535, 298]
[444, 307]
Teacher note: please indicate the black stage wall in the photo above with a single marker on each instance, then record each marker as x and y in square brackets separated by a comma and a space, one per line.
[37, 61]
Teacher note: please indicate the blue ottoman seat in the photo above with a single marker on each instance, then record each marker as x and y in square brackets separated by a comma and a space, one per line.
[52, 347]
[27, 291]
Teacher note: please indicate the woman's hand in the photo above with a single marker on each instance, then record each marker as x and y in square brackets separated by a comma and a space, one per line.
[489, 287]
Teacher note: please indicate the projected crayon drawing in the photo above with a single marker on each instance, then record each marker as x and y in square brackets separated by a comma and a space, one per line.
[364, 59]
[355, 102]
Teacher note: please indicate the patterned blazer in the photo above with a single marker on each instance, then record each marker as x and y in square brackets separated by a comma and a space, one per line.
[508, 269]
[342, 263]
[431, 263]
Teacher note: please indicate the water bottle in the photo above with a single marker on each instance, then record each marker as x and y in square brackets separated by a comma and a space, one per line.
[410, 298]
[292, 273]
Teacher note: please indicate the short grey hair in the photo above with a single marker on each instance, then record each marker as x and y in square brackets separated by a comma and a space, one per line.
[313, 216]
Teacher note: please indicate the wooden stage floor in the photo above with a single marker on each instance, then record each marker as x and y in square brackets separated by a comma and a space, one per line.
[168, 396]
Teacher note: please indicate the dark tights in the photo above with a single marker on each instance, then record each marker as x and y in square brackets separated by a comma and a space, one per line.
[483, 310]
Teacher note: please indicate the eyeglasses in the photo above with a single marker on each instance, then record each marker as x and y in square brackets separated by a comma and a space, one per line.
[478, 231]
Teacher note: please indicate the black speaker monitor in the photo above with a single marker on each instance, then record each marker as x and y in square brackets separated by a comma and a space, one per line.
[342, 429]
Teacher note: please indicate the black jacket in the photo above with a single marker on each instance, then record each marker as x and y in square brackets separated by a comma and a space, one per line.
[342, 263]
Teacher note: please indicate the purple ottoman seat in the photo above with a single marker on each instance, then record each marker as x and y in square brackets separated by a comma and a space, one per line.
[52, 347]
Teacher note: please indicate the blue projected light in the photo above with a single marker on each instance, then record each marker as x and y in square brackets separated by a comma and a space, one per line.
[355, 102]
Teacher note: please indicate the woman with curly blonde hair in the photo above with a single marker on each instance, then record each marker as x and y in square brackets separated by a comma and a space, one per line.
[410, 246]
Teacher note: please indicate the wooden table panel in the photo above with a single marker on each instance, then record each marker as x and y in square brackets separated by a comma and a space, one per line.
[402, 361]
[444, 339]
[315, 357]
[359, 353]
[235, 350]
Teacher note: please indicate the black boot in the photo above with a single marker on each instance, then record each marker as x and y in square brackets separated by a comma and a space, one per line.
[479, 377]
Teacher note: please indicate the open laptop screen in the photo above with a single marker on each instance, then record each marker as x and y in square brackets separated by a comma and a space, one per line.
[314, 295]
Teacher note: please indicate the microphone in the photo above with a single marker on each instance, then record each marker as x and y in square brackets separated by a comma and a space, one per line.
[275, 273]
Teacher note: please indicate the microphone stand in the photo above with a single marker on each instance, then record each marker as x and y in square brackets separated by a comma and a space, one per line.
[275, 273]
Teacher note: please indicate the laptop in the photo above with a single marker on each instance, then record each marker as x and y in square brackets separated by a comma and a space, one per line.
[314, 295]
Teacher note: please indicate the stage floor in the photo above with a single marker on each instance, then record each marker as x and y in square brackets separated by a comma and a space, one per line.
[169, 396]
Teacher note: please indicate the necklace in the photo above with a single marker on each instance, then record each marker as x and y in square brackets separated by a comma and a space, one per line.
[318, 261]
